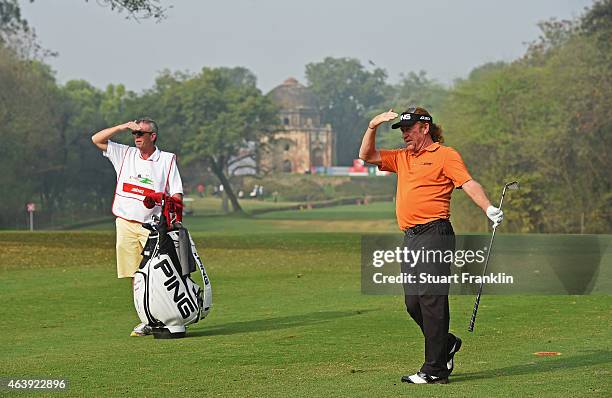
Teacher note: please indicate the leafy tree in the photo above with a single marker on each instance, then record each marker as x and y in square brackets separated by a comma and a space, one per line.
[163, 103]
[346, 92]
[137, 9]
[412, 89]
[418, 89]
[47, 155]
[211, 116]
[544, 119]
[87, 180]
[17, 34]
[10, 18]
[29, 109]
[598, 21]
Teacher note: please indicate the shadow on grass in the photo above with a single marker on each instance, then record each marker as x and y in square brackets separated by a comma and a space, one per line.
[283, 322]
[541, 365]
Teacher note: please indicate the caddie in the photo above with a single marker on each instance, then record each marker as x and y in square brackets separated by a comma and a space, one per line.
[427, 174]
[141, 170]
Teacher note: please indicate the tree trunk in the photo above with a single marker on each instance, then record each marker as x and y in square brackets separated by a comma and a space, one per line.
[217, 168]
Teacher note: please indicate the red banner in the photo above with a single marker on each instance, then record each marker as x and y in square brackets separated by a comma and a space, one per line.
[135, 189]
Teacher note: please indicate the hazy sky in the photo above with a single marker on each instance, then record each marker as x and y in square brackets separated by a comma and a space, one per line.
[275, 39]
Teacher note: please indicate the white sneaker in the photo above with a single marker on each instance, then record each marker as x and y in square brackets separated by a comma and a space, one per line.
[142, 329]
[424, 378]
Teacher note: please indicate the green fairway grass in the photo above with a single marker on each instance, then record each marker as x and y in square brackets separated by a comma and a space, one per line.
[288, 320]
[373, 211]
[231, 225]
[213, 205]
[376, 217]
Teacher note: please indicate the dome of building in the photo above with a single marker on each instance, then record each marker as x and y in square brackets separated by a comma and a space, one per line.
[292, 95]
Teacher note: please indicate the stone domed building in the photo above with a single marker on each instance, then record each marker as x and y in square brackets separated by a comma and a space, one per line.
[304, 145]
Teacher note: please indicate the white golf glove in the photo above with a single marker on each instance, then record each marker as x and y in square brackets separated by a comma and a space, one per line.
[495, 215]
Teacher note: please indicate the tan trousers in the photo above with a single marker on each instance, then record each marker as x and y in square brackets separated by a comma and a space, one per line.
[131, 238]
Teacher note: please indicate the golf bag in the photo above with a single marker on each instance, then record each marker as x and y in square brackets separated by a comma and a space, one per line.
[165, 296]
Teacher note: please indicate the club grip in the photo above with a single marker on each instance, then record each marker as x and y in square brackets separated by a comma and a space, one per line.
[474, 312]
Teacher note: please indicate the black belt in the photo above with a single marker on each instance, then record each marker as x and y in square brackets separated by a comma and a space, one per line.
[418, 229]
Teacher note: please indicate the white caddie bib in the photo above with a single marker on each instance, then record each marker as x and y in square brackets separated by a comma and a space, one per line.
[137, 177]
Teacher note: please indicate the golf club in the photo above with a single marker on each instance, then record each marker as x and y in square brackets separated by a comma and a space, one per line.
[512, 186]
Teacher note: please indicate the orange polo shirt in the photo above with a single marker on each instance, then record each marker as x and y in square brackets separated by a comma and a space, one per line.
[425, 182]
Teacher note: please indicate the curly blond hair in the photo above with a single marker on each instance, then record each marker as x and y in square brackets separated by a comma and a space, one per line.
[435, 130]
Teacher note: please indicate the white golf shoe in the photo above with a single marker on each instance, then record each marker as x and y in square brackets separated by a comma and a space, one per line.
[142, 329]
[424, 378]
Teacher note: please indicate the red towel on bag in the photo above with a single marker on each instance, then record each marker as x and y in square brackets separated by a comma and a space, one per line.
[172, 209]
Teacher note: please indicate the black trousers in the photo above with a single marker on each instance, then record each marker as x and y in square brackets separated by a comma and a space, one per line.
[427, 303]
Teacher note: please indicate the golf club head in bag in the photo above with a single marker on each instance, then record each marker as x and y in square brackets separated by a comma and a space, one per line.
[514, 185]
[165, 295]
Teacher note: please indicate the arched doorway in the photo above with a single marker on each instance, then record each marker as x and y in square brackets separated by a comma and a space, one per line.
[317, 158]
[287, 166]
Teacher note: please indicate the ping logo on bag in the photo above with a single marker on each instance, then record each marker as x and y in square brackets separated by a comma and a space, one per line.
[184, 304]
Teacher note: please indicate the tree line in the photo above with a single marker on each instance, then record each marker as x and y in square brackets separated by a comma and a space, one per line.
[544, 119]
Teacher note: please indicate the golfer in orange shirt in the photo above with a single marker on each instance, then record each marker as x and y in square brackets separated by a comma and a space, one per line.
[427, 173]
